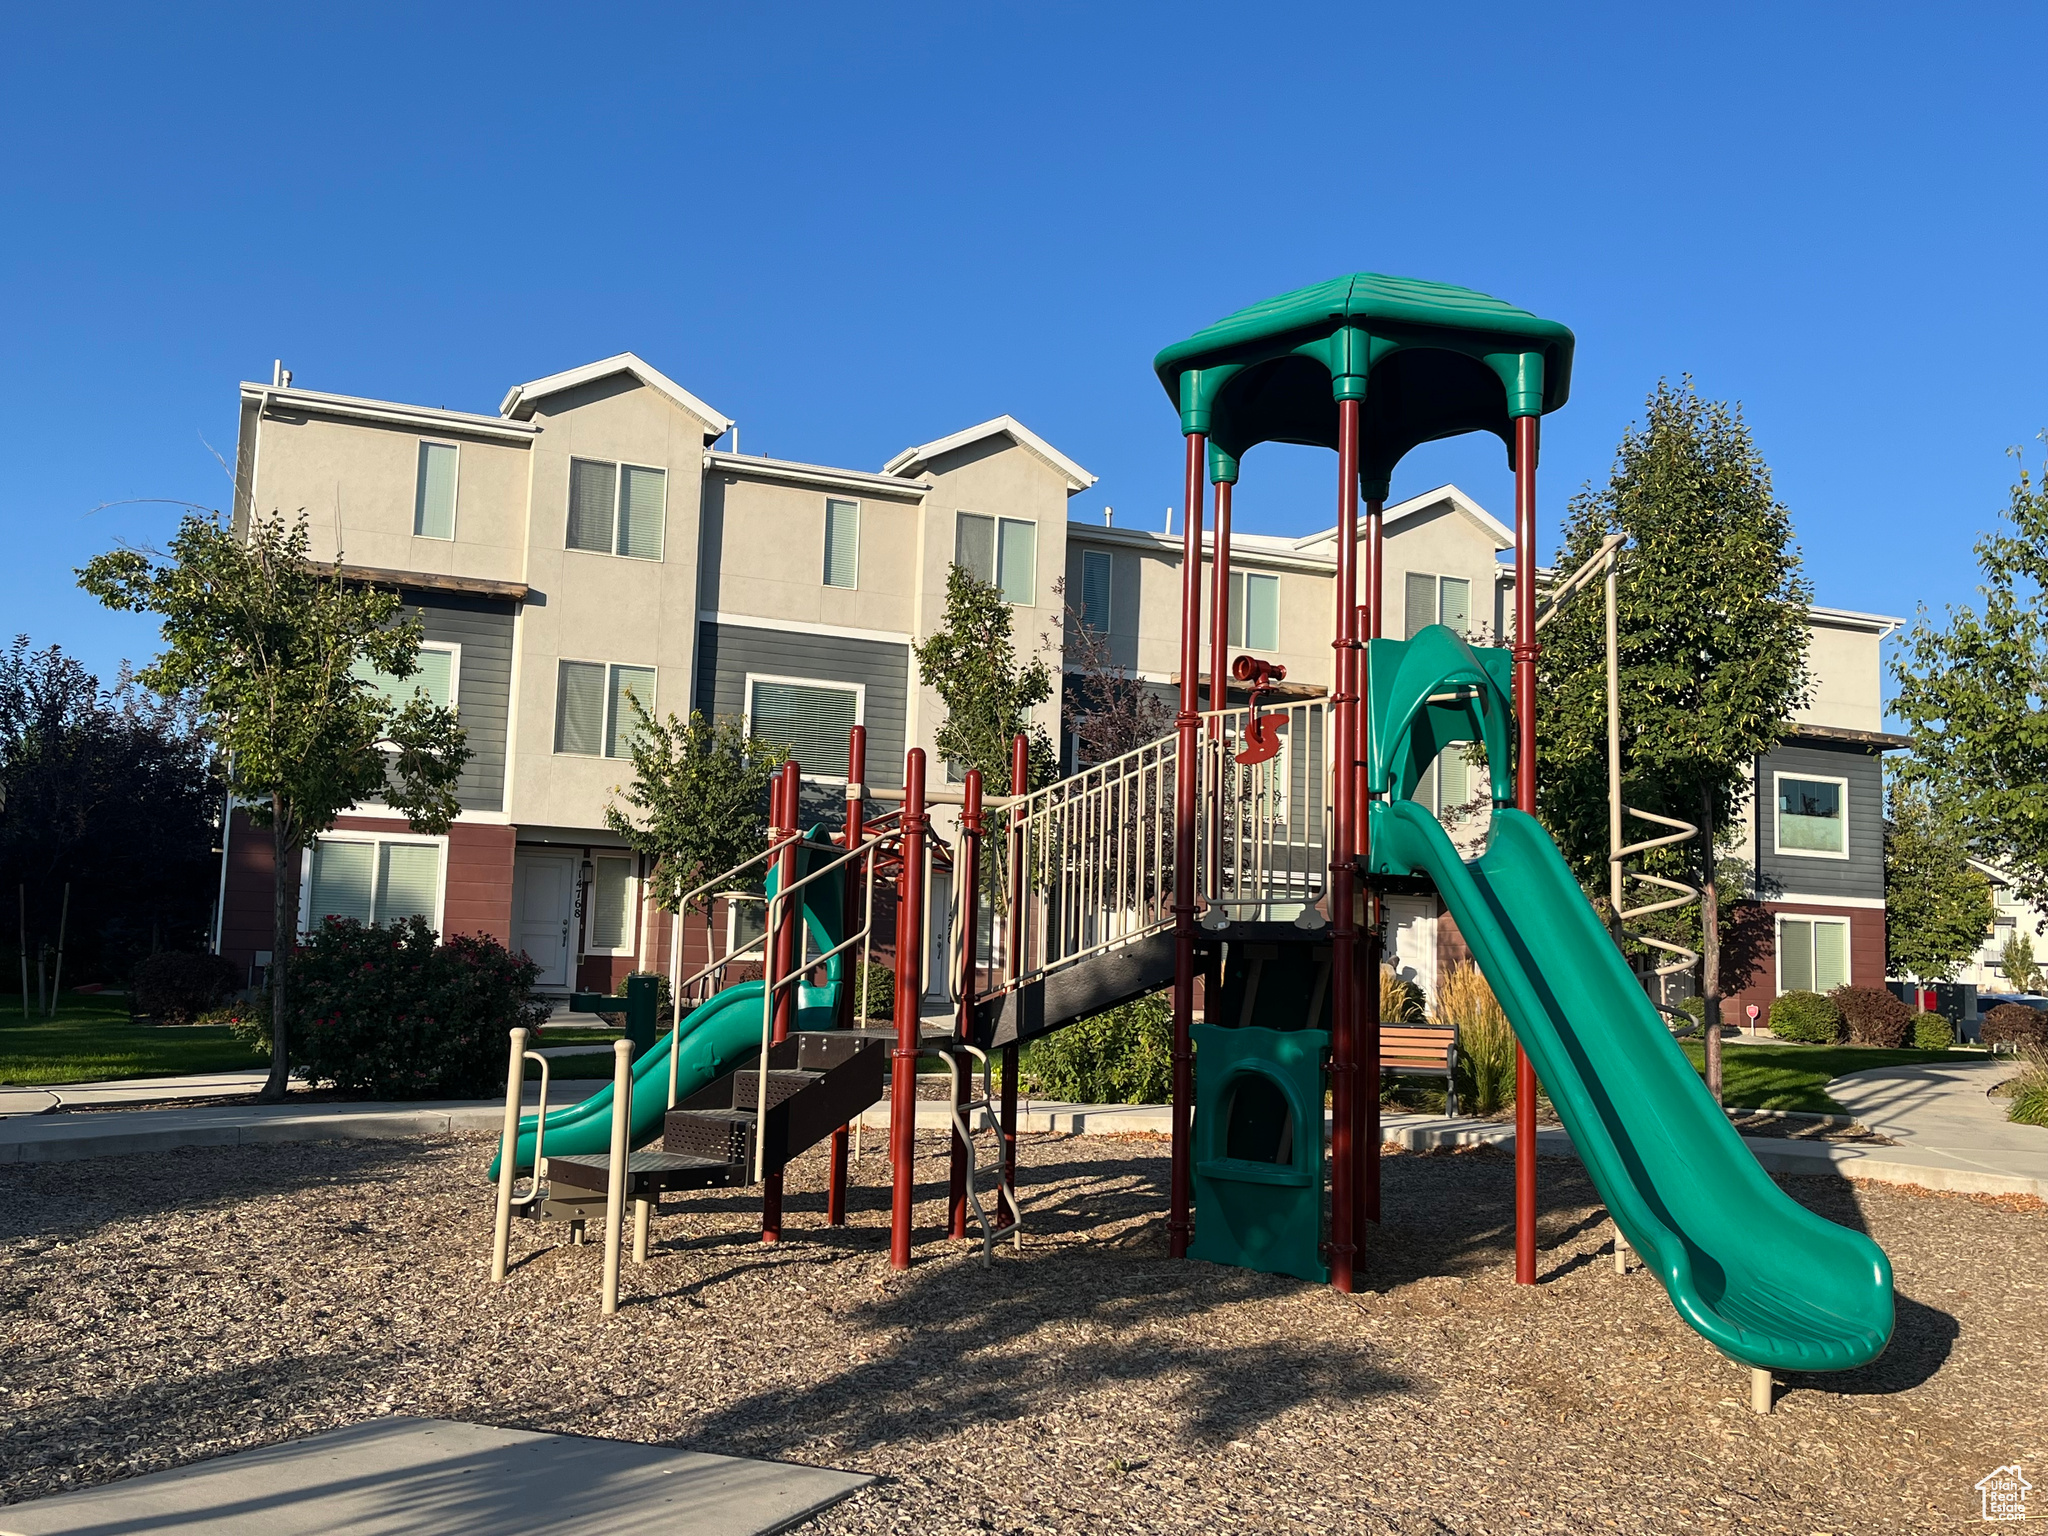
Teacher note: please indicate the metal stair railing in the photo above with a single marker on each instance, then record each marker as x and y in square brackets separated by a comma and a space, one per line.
[1263, 835]
[963, 1127]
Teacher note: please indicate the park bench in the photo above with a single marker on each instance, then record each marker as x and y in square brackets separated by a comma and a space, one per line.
[1421, 1050]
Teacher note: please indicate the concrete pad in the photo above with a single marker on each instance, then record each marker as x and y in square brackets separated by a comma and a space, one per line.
[433, 1477]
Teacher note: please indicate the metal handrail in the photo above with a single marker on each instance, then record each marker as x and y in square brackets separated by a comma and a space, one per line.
[1005, 1192]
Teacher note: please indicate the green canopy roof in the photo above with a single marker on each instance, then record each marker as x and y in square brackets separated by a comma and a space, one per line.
[1427, 359]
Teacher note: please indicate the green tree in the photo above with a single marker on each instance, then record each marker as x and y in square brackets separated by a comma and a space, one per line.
[1973, 691]
[699, 800]
[293, 669]
[2016, 963]
[971, 662]
[1937, 908]
[1711, 638]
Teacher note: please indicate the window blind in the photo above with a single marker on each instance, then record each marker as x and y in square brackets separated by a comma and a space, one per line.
[408, 879]
[579, 708]
[807, 721]
[622, 727]
[343, 880]
[593, 502]
[842, 543]
[1456, 611]
[610, 897]
[974, 546]
[1830, 956]
[433, 509]
[1096, 568]
[1261, 612]
[1420, 604]
[643, 499]
[1017, 554]
[1454, 778]
[435, 678]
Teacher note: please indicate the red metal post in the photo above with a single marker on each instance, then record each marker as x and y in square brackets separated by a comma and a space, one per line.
[1219, 691]
[1343, 927]
[909, 988]
[1020, 786]
[1186, 726]
[853, 913]
[967, 875]
[1369, 1020]
[1525, 799]
[782, 956]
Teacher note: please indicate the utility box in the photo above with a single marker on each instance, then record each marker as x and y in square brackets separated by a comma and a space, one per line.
[1258, 1149]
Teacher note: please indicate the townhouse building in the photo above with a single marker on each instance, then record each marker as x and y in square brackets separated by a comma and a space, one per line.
[590, 544]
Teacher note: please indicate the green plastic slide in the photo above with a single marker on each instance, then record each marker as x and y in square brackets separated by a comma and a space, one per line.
[1759, 1276]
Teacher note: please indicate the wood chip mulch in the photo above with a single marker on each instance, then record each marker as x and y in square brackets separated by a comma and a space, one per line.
[156, 1310]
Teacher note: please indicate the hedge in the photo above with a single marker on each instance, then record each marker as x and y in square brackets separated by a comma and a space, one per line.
[1806, 1016]
[1874, 1016]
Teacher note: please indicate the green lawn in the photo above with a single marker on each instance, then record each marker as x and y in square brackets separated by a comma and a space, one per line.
[1797, 1076]
[92, 1040]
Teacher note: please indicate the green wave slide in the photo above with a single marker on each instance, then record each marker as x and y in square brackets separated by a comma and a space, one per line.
[1758, 1275]
[721, 1033]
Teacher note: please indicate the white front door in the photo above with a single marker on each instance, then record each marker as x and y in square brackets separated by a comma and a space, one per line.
[544, 907]
[938, 979]
[1411, 941]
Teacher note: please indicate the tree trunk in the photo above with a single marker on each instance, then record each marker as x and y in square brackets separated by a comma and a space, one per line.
[284, 935]
[1710, 947]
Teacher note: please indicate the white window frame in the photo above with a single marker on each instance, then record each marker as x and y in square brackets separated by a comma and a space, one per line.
[357, 835]
[999, 519]
[1847, 925]
[604, 729]
[1108, 591]
[633, 893]
[619, 466]
[454, 650]
[860, 707]
[825, 555]
[733, 903]
[1436, 581]
[1813, 778]
[455, 505]
[1240, 610]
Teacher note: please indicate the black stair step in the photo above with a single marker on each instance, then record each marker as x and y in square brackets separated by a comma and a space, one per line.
[724, 1134]
[782, 1086]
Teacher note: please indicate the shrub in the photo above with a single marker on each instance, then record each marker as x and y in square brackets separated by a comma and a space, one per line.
[173, 987]
[2016, 1024]
[875, 994]
[1124, 1056]
[1932, 1032]
[385, 1012]
[1400, 998]
[1485, 1065]
[1873, 1015]
[1806, 1016]
[2030, 1089]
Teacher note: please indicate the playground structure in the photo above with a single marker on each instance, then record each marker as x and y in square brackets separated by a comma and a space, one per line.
[1248, 851]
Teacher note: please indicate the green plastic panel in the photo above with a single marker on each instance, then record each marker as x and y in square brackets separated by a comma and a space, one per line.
[1409, 730]
[1755, 1273]
[1258, 1149]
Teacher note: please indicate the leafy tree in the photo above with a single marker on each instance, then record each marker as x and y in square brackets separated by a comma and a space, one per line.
[1937, 908]
[1974, 693]
[699, 800]
[1711, 626]
[2016, 963]
[1107, 711]
[281, 656]
[111, 792]
[970, 661]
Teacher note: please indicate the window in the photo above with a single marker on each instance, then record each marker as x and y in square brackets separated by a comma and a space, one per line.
[1002, 551]
[1096, 569]
[1254, 611]
[433, 502]
[808, 720]
[436, 678]
[1445, 600]
[616, 509]
[374, 880]
[842, 543]
[1813, 816]
[1813, 954]
[611, 905]
[593, 709]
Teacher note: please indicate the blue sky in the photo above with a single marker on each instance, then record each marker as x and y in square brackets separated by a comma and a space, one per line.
[854, 228]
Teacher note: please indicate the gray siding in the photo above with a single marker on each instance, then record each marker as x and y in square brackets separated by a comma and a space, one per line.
[1862, 873]
[726, 653]
[483, 628]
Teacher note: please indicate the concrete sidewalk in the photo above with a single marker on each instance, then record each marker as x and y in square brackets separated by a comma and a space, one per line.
[1943, 1115]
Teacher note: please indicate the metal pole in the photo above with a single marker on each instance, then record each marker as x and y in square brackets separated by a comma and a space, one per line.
[1178, 1226]
[63, 918]
[1613, 753]
[21, 895]
[854, 995]
[909, 987]
[1020, 785]
[1343, 929]
[615, 1183]
[785, 942]
[1525, 799]
[508, 1145]
[1219, 691]
[967, 878]
[1369, 1020]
